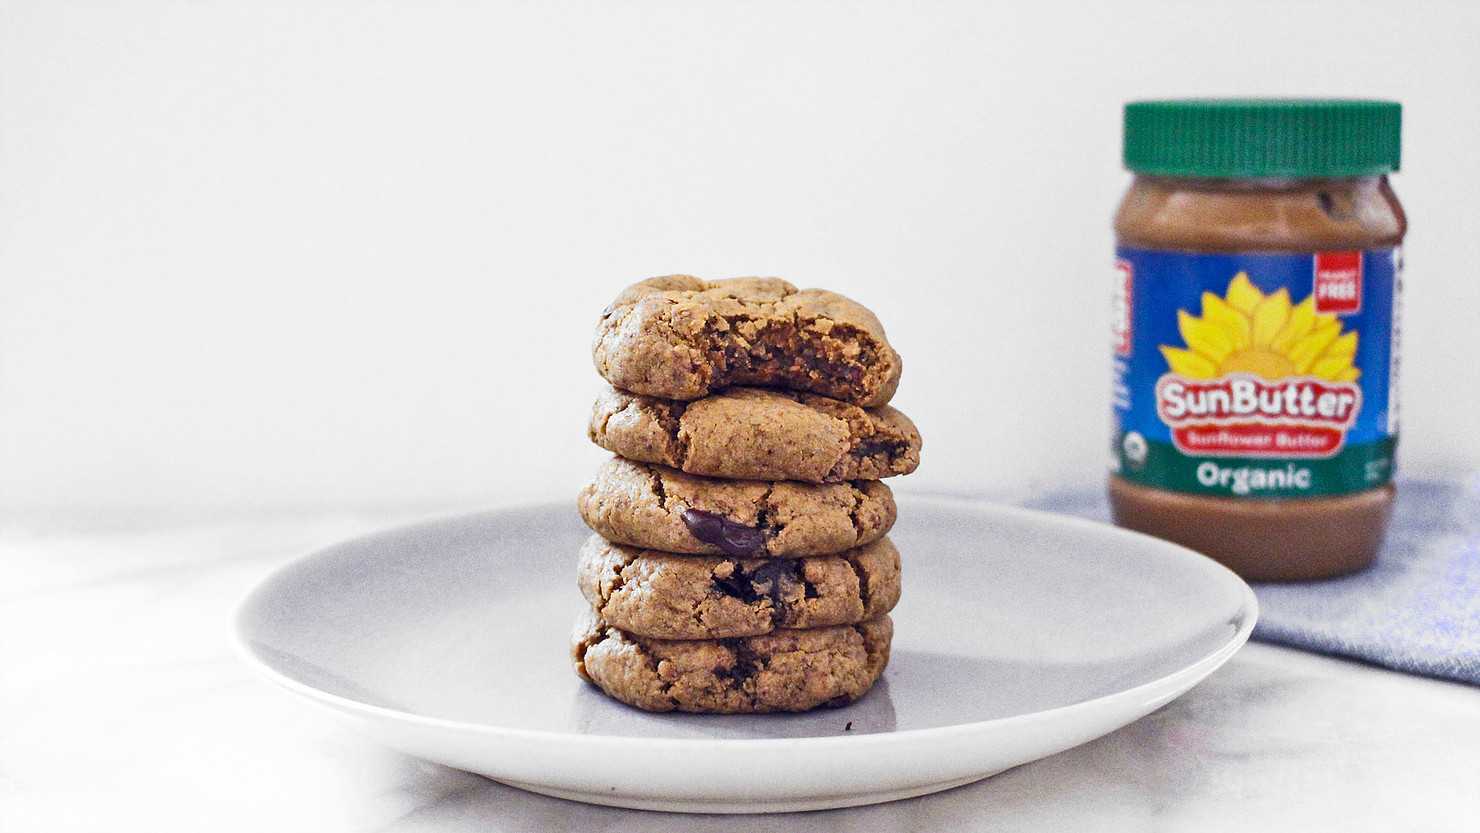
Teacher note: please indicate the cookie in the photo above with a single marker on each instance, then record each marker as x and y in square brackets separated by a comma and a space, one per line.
[667, 596]
[758, 434]
[679, 337]
[788, 670]
[655, 507]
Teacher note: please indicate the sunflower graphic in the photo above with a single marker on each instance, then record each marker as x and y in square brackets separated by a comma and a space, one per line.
[1247, 331]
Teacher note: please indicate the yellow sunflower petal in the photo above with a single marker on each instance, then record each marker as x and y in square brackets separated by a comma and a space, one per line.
[1242, 294]
[1309, 347]
[1189, 364]
[1205, 338]
[1222, 315]
[1351, 374]
[1330, 367]
[1302, 320]
[1269, 318]
[1344, 347]
[1325, 320]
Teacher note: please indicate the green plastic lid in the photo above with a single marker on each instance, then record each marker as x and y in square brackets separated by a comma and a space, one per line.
[1279, 138]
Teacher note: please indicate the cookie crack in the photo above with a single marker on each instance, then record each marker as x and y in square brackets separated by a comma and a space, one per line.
[858, 499]
[583, 646]
[679, 444]
[655, 483]
[765, 518]
[864, 591]
[599, 428]
[809, 589]
[654, 665]
[620, 579]
[764, 513]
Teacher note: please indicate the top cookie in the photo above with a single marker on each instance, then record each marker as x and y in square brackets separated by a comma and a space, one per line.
[679, 337]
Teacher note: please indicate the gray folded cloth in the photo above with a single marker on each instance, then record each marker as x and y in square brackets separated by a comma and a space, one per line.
[1416, 609]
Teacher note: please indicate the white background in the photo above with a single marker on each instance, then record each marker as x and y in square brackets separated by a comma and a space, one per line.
[279, 254]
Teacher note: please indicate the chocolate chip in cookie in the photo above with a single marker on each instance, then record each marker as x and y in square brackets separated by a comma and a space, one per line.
[668, 596]
[786, 670]
[643, 505]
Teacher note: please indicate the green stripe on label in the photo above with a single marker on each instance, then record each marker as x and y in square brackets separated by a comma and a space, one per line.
[1353, 469]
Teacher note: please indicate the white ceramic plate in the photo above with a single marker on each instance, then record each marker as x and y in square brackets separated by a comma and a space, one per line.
[1021, 634]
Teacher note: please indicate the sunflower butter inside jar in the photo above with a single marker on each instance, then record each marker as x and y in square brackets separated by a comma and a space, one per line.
[1258, 267]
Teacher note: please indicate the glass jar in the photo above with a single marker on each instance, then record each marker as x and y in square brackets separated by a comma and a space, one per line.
[1258, 271]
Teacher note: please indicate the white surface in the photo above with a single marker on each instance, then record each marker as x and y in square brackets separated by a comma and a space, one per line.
[449, 641]
[316, 252]
[122, 709]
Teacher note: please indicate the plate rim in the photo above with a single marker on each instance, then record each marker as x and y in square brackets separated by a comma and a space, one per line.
[1196, 670]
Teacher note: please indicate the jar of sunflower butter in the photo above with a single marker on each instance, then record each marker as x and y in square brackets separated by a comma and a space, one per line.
[1258, 267]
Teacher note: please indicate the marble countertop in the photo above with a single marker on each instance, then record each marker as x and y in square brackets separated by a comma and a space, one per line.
[123, 708]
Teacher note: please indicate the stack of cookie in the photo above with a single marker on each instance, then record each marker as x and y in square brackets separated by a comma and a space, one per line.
[740, 562]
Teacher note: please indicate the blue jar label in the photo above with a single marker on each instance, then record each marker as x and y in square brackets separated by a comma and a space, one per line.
[1256, 375]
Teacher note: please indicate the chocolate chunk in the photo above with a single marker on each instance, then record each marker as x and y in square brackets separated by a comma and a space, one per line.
[746, 664]
[734, 538]
[871, 447]
[775, 579]
[737, 585]
[771, 578]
